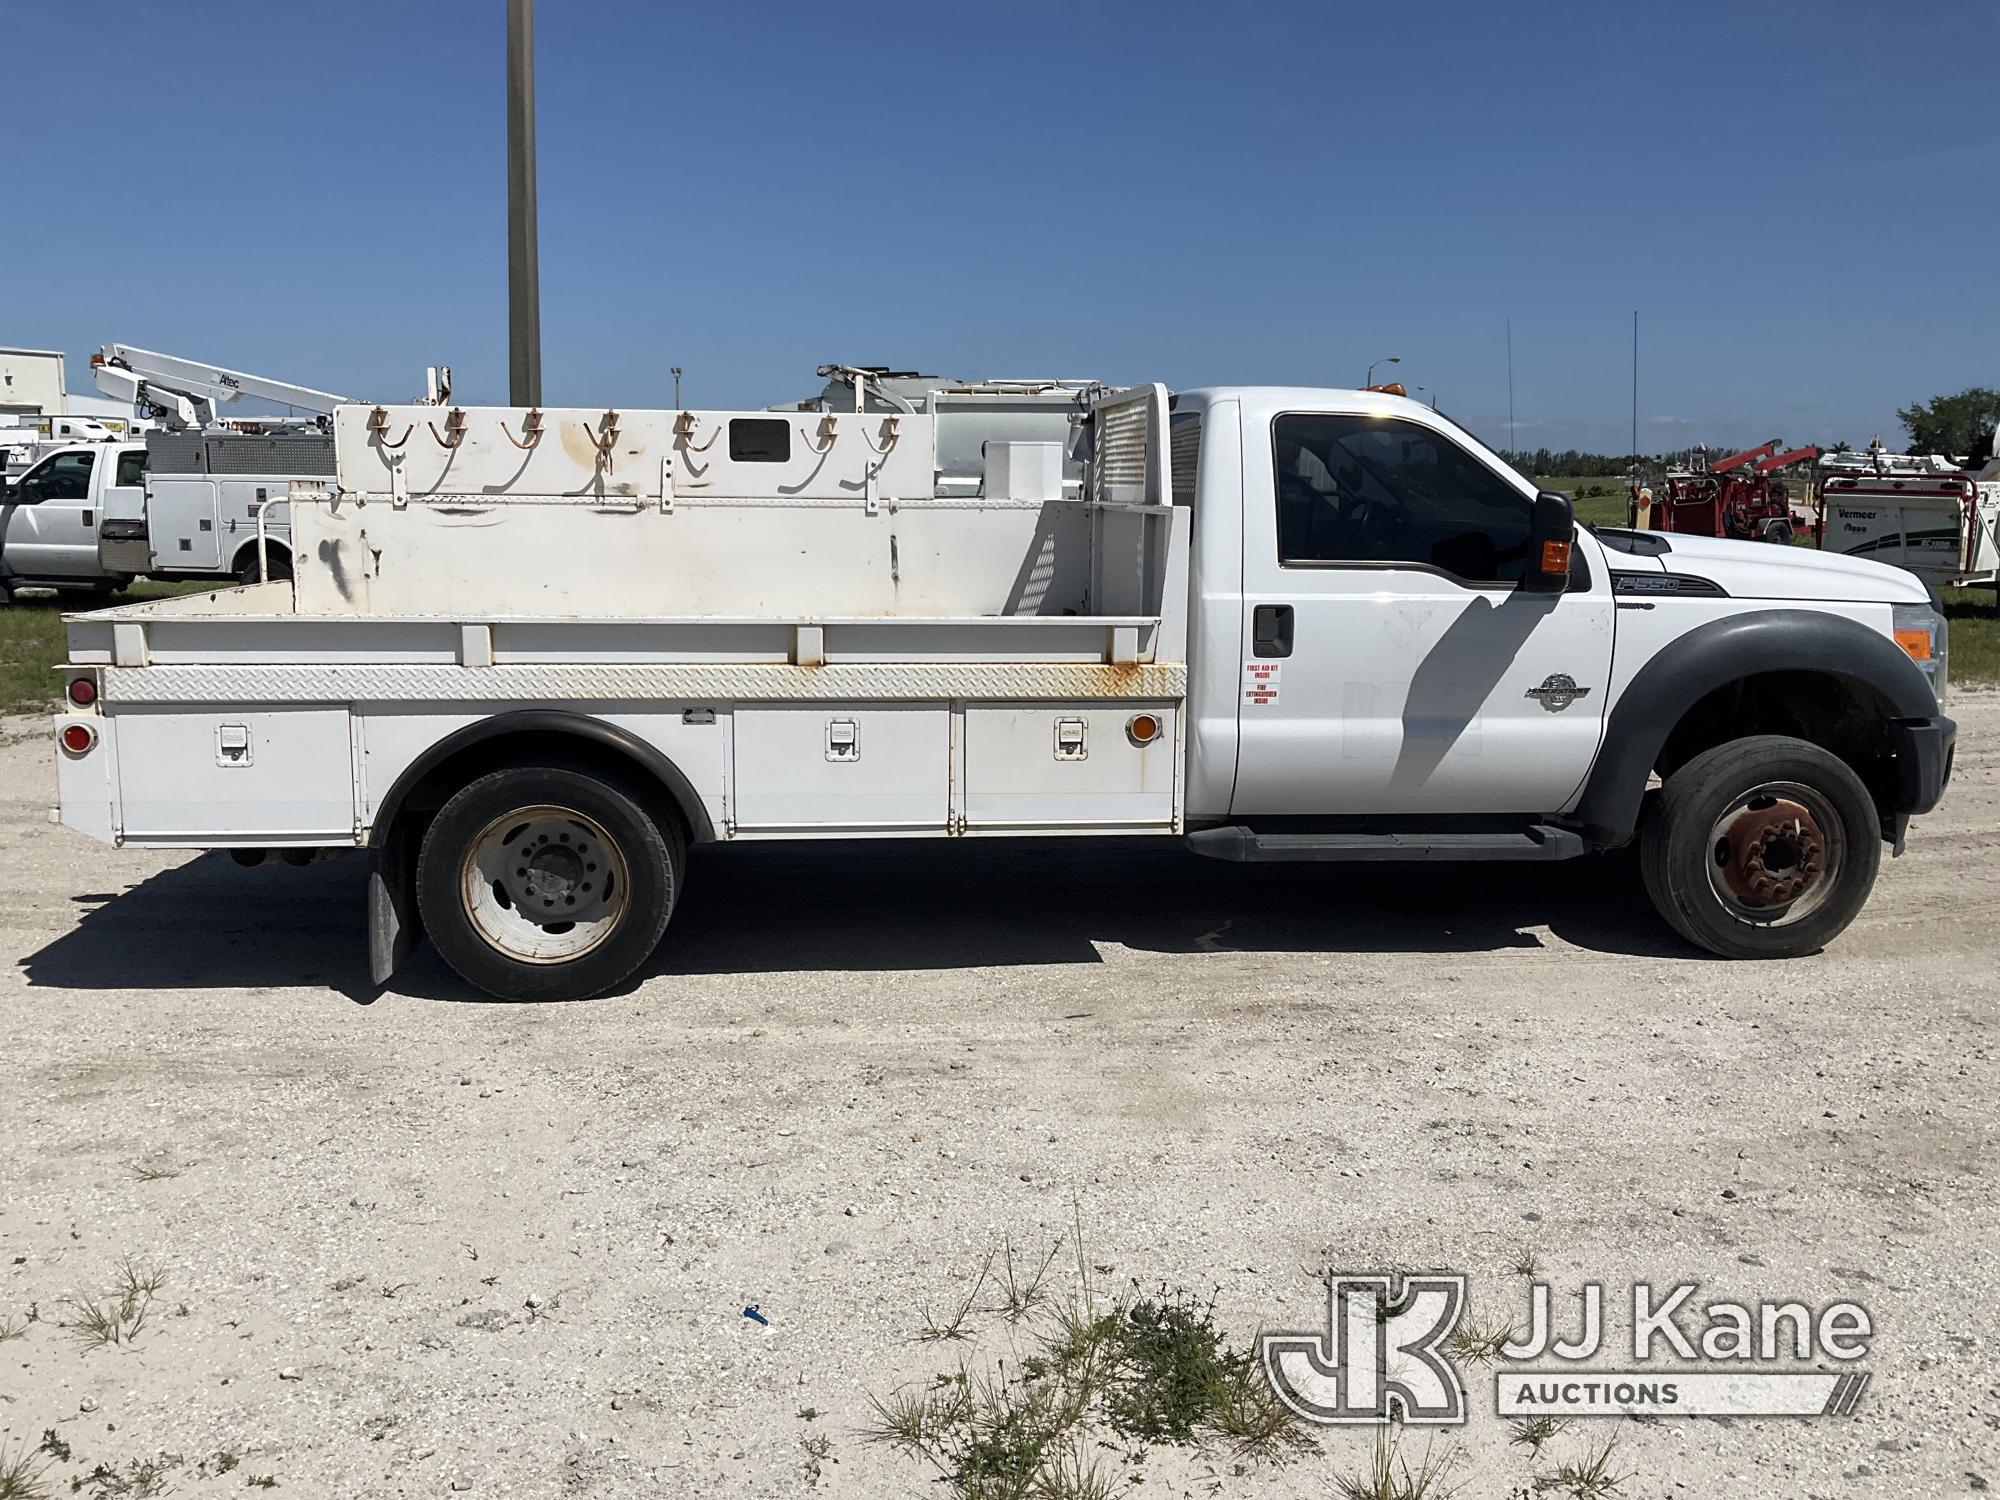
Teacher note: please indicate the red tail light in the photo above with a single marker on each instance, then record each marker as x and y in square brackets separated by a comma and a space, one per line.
[82, 692]
[77, 738]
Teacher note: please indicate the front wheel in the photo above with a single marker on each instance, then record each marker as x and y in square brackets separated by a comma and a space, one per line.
[1764, 847]
[546, 883]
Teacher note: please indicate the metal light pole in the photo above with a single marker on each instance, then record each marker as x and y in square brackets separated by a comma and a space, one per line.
[1428, 392]
[524, 272]
[1387, 359]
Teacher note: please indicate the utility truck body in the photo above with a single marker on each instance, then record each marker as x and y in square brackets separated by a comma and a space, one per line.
[214, 504]
[529, 657]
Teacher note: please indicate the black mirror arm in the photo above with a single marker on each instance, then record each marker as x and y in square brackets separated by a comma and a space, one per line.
[1551, 536]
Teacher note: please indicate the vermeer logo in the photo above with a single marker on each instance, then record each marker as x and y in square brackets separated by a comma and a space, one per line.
[1382, 1356]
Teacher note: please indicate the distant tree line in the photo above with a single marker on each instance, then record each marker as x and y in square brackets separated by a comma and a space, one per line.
[1961, 425]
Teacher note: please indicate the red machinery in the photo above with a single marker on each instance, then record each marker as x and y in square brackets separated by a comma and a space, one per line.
[1735, 496]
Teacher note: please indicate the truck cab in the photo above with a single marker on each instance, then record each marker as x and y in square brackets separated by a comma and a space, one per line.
[51, 516]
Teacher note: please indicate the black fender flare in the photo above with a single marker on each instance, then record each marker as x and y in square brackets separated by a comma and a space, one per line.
[1712, 656]
[548, 721]
[393, 921]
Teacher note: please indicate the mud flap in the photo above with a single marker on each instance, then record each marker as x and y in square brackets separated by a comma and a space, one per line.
[393, 922]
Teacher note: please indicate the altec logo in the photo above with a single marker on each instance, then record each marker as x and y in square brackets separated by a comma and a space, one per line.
[1382, 1356]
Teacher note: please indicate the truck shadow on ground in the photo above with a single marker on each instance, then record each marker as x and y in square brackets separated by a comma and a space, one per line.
[210, 924]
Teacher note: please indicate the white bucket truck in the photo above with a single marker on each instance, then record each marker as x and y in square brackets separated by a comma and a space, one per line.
[530, 657]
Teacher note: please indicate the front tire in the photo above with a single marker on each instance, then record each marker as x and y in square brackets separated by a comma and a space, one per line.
[547, 883]
[1765, 847]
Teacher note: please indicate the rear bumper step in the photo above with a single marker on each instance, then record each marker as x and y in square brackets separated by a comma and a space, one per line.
[1247, 845]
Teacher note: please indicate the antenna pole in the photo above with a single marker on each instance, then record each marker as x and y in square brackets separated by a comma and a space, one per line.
[524, 272]
[1635, 391]
[1512, 446]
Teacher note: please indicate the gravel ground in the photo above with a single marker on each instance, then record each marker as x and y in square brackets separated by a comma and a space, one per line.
[417, 1243]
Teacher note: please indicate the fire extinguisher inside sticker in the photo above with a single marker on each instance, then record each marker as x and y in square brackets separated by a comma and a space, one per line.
[1260, 682]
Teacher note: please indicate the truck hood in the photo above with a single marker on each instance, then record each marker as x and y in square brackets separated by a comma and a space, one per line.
[1765, 570]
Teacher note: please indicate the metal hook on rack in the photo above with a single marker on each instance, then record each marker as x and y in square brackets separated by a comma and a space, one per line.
[827, 432]
[889, 435]
[605, 437]
[454, 428]
[684, 433]
[531, 429]
[378, 428]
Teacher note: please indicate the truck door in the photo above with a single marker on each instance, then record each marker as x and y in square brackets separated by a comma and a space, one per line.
[121, 522]
[1391, 663]
[52, 518]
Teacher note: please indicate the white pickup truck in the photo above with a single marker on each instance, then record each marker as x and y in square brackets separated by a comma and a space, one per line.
[51, 515]
[530, 657]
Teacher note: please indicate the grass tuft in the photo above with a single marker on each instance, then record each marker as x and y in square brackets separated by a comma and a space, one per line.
[1081, 1375]
[1535, 1433]
[115, 1319]
[1587, 1476]
[1478, 1343]
[1022, 1291]
[952, 1325]
[140, 1479]
[21, 1471]
[1390, 1476]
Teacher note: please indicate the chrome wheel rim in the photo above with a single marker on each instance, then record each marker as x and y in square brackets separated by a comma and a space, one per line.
[544, 885]
[1775, 854]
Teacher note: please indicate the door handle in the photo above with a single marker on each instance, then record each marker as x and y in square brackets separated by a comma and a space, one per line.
[87, 517]
[1271, 630]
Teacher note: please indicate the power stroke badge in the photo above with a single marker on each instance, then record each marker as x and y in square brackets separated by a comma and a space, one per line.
[1557, 692]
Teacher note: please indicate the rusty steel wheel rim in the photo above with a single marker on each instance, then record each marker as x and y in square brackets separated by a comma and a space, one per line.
[544, 885]
[1775, 853]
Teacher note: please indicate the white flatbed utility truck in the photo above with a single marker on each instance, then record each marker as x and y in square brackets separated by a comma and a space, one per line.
[529, 657]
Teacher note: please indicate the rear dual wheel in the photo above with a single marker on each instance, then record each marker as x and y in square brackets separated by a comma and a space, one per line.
[1765, 847]
[547, 882]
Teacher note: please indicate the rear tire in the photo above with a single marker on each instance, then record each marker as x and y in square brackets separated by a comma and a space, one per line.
[1765, 847]
[547, 882]
[1778, 532]
[280, 566]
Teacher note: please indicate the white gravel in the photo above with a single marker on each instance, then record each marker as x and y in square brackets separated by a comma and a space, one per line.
[421, 1244]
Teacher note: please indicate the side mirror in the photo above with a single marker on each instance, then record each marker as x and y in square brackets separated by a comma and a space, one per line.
[1551, 531]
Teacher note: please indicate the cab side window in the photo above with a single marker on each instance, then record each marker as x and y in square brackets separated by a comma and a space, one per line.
[65, 477]
[1380, 491]
[132, 468]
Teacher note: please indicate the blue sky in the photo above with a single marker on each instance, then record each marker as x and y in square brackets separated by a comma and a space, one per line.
[1192, 193]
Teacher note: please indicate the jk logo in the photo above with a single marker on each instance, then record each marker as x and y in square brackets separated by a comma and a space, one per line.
[1380, 1347]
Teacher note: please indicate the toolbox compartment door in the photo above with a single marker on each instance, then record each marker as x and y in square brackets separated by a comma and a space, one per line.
[264, 776]
[836, 767]
[1053, 765]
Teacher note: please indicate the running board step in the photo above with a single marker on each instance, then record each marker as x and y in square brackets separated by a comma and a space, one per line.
[1246, 844]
